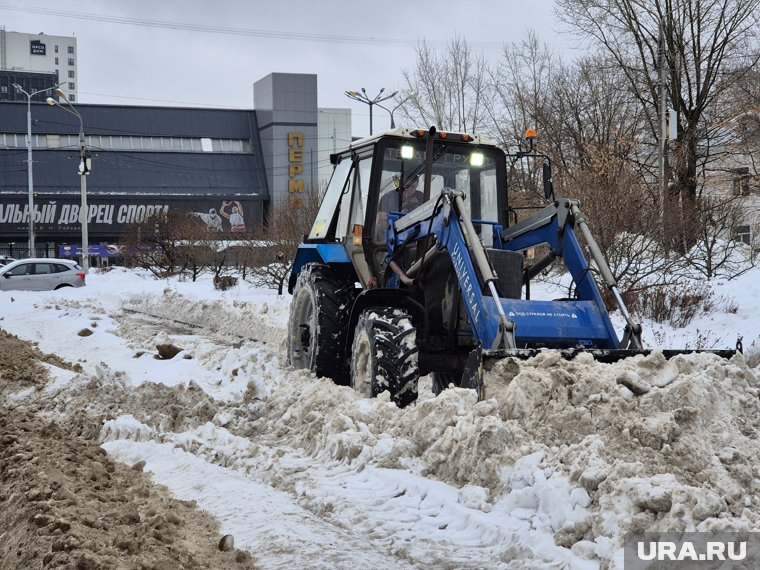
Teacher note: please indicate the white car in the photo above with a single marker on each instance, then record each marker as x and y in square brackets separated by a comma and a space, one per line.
[5, 260]
[43, 274]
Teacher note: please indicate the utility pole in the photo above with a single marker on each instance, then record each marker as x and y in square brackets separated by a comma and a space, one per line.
[83, 171]
[29, 164]
[663, 154]
[30, 175]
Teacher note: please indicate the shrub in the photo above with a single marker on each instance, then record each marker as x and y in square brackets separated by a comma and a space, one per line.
[676, 305]
[224, 282]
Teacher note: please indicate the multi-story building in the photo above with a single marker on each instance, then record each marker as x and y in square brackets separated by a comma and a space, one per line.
[26, 58]
[212, 163]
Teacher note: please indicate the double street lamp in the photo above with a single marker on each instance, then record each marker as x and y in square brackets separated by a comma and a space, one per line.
[84, 170]
[391, 111]
[362, 97]
[29, 174]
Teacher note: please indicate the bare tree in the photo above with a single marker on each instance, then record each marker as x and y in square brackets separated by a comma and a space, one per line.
[270, 252]
[718, 251]
[521, 84]
[170, 243]
[450, 90]
[701, 42]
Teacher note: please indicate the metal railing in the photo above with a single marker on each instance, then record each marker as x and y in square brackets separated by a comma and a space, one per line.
[20, 250]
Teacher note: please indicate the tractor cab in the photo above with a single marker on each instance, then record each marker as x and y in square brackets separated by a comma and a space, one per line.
[388, 177]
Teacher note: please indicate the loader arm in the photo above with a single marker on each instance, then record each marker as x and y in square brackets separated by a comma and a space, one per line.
[506, 323]
[554, 225]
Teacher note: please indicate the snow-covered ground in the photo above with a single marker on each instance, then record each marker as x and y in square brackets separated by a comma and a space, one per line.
[548, 472]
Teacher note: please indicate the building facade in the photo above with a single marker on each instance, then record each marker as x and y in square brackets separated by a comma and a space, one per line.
[286, 105]
[38, 54]
[228, 168]
[333, 134]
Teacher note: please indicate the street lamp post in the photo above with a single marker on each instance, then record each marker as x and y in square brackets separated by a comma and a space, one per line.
[29, 173]
[391, 111]
[84, 170]
[362, 97]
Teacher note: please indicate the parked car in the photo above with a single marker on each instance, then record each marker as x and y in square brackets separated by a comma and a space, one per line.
[43, 274]
[5, 260]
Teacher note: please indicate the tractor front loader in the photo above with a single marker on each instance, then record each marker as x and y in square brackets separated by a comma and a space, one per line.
[392, 284]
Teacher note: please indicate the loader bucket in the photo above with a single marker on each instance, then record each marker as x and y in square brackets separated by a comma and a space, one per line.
[480, 360]
[606, 356]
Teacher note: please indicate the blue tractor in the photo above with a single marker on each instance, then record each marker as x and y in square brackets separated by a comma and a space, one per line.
[411, 268]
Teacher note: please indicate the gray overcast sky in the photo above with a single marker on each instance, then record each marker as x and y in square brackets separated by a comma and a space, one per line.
[209, 53]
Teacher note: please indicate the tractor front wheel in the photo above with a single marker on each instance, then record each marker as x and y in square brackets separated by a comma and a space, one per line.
[384, 355]
[317, 327]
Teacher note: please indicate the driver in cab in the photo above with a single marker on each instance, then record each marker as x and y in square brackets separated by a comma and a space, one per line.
[410, 198]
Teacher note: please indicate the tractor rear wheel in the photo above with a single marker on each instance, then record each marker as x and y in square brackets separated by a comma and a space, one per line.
[318, 323]
[384, 355]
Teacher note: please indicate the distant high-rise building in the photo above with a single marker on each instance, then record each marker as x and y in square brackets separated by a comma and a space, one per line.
[27, 59]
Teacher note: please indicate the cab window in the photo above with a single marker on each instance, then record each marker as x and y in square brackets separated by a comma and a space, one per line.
[335, 189]
[354, 202]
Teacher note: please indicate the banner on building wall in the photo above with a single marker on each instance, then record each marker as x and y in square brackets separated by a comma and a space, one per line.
[59, 216]
[37, 47]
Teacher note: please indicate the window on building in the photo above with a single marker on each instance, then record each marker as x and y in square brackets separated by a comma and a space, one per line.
[56, 49]
[71, 86]
[72, 97]
[56, 61]
[118, 142]
[70, 49]
[741, 181]
[71, 61]
[743, 234]
[4, 89]
[71, 74]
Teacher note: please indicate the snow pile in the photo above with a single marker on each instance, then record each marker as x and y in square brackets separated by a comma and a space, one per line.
[578, 449]
[659, 445]
[247, 320]
[582, 450]
[552, 467]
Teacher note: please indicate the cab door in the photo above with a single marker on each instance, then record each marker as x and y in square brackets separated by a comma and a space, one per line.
[351, 220]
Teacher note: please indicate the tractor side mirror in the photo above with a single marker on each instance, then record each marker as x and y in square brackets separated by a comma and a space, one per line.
[548, 187]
